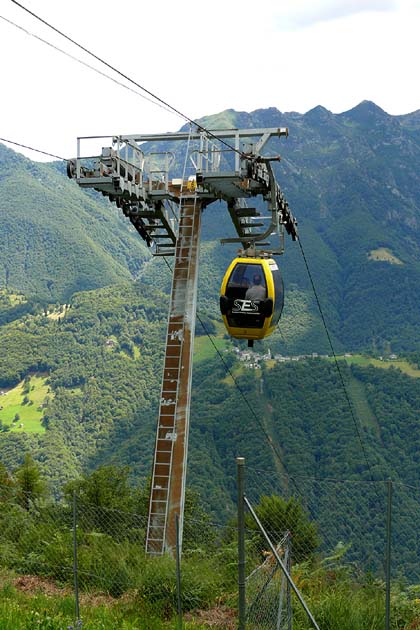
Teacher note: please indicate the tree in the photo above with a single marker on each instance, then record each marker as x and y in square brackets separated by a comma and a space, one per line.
[6, 483]
[199, 532]
[278, 516]
[28, 482]
[26, 385]
[105, 487]
[105, 501]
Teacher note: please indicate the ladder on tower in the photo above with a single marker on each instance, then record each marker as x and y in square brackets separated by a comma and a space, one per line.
[171, 446]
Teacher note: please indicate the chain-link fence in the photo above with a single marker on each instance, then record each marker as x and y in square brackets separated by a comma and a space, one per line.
[268, 593]
[326, 517]
[342, 542]
[86, 549]
[353, 551]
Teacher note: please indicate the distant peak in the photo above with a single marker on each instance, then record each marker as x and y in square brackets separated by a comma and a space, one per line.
[9, 155]
[364, 111]
[267, 110]
[318, 113]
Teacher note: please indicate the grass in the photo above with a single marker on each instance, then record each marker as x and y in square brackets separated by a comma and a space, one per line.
[337, 602]
[403, 366]
[384, 255]
[112, 346]
[204, 348]
[222, 120]
[364, 412]
[14, 298]
[58, 313]
[56, 611]
[20, 612]
[236, 371]
[30, 414]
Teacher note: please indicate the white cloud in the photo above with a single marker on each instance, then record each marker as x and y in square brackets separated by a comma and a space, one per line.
[304, 13]
[202, 59]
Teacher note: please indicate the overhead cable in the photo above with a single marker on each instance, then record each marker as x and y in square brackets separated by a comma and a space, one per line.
[340, 374]
[125, 76]
[228, 370]
[25, 146]
[238, 387]
[84, 63]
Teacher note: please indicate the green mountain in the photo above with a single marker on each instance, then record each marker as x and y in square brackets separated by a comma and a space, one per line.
[80, 379]
[79, 384]
[100, 360]
[55, 238]
[79, 387]
[352, 180]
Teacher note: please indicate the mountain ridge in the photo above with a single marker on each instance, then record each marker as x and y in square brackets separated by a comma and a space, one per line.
[352, 179]
[57, 239]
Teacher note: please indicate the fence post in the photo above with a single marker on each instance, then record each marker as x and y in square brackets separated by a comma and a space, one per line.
[281, 597]
[240, 463]
[178, 572]
[75, 564]
[281, 565]
[288, 591]
[388, 556]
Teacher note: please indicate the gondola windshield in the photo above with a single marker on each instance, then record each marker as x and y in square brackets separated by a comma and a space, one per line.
[251, 299]
[246, 287]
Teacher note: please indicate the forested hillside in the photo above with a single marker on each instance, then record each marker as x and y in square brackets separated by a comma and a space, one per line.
[352, 180]
[56, 239]
[99, 360]
[83, 311]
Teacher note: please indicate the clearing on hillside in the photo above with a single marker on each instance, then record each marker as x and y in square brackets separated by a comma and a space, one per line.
[22, 407]
[383, 364]
[384, 255]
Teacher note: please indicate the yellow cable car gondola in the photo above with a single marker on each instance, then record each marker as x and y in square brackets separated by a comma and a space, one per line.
[251, 298]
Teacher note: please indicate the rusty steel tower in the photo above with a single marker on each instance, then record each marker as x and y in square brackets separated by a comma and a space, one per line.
[141, 174]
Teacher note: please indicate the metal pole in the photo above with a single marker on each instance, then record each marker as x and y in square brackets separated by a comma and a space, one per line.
[240, 463]
[75, 565]
[178, 572]
[388, 556]
[167, 495]
[282, 589]
[283, 568]
[288, 593]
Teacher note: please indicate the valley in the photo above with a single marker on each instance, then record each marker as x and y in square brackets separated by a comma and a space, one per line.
[83, 314]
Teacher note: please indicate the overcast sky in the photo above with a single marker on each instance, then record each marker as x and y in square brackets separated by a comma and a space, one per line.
[201, 57]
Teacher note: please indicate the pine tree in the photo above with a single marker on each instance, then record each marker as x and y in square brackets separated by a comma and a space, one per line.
[28, 481]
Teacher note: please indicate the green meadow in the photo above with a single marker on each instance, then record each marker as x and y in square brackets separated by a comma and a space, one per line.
[363, 361]
[21, 408]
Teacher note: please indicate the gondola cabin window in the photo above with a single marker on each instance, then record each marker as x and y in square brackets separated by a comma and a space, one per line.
[245, 289]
